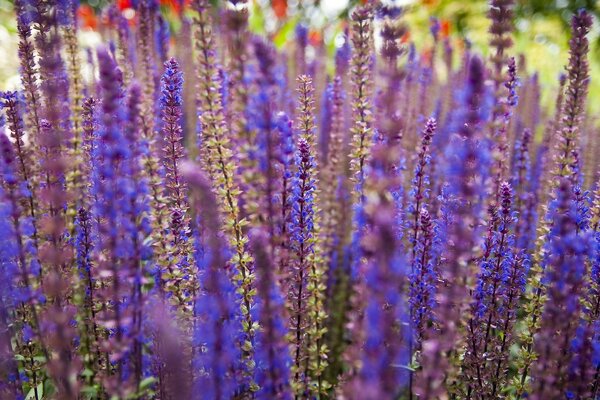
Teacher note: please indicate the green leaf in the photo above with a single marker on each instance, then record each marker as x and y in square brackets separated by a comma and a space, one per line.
[284, 33]
[147, 382]
[256, 22]
[40, 391]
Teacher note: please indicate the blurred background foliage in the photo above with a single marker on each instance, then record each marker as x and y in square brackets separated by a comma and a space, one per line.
[541, 29]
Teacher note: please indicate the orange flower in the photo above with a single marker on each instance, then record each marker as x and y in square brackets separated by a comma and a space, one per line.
[87, 17]
[123, 4]
[405, 38]
[315, 38]
[280, 8]
[445, 28]
[173, 5]
[426, 55]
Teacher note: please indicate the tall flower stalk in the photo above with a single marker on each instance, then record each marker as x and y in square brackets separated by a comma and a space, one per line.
[384, 352]
[567, 147]
[219, 164]
[183, 276]
[562, 310]
[361, 77]
[216, 302]
[467, 161]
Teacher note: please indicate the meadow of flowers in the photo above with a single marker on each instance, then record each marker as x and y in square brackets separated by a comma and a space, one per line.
[196, 213]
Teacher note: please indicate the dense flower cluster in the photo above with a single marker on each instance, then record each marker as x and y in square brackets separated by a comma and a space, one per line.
[207, 215]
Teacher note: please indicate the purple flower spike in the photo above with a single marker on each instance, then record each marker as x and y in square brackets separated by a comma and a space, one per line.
[273, 355]
[467, 161]
[562, 311]
[217, 330]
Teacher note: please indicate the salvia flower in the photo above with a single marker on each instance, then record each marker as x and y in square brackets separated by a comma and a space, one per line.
[302, 235]
[420, 184]
[386, 226]
[489, 291]
[180, 248]
[576, 93]
[384, 342]
[273, 357]
[217, 330]
[218, 161]
[562, 311]
[466, 168]
[361, 75]
[423, 277]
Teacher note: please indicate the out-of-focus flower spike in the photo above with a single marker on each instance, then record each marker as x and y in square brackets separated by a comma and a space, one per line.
[113, 210]
[237, 118]
[592, 298]
[163, 37]
[575, 96]
[139, 225]
[273, 358]
[170, 352]
[501, 16]
[332, 172]
[11, 385]
[260, 175]
[288, 150]
[467, 161]
[384, 345]
[124, 35]
[146, 57]
[74, 179]
[91, 88]
[29, 75]
[89, 331]
[362, 91]
[186, 57]
[89, 145]
[423, 279]
[236, 22]
[22, 260]
[10, 388]
[325, 123]
[552, 131]
[216, 305]
[301, 35]
[54, 81]
[583, 368]
[336, 210]
[56, 254]
[500, 124]
[390, 123]
[521, 182]
[420, 188]
[12, 105]
[361, 141]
